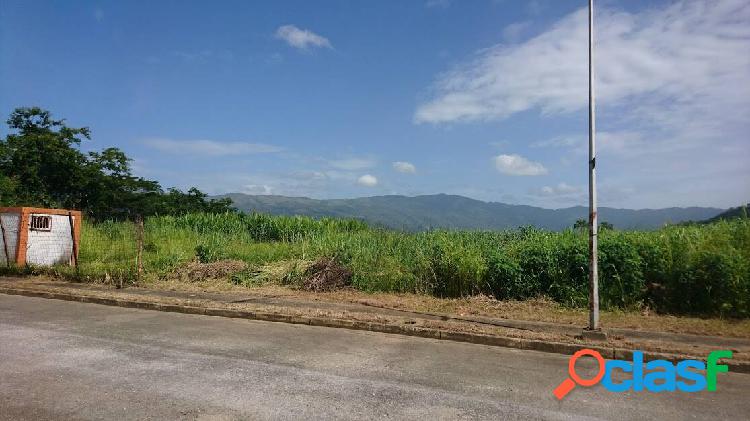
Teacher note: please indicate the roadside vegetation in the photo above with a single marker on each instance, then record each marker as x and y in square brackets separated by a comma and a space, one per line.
[697, 270]
[700, 269]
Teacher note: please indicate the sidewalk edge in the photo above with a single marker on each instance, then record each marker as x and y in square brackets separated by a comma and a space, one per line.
[507, 342]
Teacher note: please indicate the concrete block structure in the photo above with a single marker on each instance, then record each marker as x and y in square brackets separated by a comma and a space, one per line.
[38, 236]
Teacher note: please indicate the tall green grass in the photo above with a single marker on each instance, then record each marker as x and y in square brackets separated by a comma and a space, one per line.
[700, 269]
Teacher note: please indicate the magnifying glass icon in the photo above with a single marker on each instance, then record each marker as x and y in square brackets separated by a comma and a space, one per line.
[570, 383]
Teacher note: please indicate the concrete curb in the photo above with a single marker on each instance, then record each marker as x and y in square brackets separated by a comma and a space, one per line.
[475, 338]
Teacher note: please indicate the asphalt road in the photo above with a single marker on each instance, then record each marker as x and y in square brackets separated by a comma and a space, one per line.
[65, 360]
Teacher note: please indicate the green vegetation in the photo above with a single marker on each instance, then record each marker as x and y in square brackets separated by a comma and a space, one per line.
[41, 165]
[699, 269]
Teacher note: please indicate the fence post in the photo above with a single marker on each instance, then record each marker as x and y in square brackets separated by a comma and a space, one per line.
[74, 254]
[139, 244]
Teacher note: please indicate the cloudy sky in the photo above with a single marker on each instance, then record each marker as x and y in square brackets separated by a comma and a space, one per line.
[330, 99]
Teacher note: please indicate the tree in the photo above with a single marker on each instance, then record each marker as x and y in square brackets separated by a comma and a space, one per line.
[41, 165]
[7, 191]
[41, 159]
[581, 224]
[194, 201]
[114, 192]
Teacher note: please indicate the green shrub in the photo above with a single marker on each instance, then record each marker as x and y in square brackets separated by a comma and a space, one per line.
[696, 269]
[505, 279]
[570, 285]
[452, 269]
[621, 282]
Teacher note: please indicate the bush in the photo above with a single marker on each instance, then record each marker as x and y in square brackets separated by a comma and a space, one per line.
[571, 283]
[621, 283]
[452, 269]
[505, 280]
[696, 269]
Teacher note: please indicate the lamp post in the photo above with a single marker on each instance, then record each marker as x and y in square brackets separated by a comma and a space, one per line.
[593, 224]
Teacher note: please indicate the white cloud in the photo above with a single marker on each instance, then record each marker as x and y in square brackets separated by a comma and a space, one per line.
[673, 96]
[562, 194]
[680, 61]
[404, 167]
[518, 165]
[352, 164]
[301, 38]
[622, 143]
[562, 189]
[209, 147]
[513, 32]
[283, 182]
[257, 189]
[367, 180]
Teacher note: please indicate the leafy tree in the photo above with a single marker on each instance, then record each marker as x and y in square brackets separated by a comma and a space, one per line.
[583, 225]
[7, 191]
[194, 201]
[41, 159]
[41, 165]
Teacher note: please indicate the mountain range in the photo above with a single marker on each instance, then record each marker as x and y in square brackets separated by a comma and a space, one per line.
[731, 213]
[457, 212]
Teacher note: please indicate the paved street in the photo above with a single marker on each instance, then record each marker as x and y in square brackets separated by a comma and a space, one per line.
[65, 360]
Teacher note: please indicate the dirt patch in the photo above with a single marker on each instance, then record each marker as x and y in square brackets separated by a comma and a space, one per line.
[326, 275]
[197, 271]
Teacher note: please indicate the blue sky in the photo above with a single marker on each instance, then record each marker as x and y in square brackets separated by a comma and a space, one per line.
[331, 99]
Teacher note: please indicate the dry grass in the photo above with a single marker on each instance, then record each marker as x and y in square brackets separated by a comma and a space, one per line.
[326, 275]
[196, 271]
[541, 310]
[538, 310]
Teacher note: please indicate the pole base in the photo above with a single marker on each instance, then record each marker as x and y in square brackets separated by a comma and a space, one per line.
[594, 335]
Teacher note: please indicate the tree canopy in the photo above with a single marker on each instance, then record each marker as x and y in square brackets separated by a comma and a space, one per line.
[41, 164]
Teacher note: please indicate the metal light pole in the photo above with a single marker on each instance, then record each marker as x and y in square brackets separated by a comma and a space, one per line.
[593, 224]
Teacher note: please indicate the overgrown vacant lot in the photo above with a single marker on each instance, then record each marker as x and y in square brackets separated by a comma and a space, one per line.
[696, 269]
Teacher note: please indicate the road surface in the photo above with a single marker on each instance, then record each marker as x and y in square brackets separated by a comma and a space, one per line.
[66, 360]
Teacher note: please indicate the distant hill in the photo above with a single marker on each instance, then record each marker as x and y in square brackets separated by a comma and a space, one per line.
[731, 213]
[458, 212]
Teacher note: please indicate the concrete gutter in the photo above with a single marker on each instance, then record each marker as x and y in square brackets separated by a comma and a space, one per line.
[432, 333]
